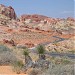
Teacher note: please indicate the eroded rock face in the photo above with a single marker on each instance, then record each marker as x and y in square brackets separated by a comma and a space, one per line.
[34, 18]
[9, 42]
[7, 11]
[47, 23]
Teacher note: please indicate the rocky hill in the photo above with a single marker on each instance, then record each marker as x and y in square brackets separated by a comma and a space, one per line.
[62, 26]
[35, 21]
[27, 27]
[34, 17]
[7, 11]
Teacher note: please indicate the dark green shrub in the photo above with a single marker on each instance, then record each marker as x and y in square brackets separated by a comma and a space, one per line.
[41, 51]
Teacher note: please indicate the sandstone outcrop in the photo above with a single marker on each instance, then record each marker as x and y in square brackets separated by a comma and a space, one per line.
[8, 11]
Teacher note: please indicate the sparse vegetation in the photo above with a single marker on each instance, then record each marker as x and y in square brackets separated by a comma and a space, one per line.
[41, 51]
[62, 68]
[6, 56]
[26, 54]
[4, 49]
[35, 71]
[17, 66]
[59, 70]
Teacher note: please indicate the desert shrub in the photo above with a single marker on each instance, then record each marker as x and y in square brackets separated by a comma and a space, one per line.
[17, 66]
[6, 56]
[72, 51]
[26, 52]
[65, 60]
[3, 48]
[59, 70]
[35, 72]
[64, 68]
[26, 55]
[40, 49]
[62, 60]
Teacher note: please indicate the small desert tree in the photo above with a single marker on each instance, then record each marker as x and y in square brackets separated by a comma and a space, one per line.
[41, 51]
[28, 60]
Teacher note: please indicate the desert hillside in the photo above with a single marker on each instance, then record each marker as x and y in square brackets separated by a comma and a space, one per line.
[37, 27]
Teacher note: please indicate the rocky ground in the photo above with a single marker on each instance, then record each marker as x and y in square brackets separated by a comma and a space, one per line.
[63, 46]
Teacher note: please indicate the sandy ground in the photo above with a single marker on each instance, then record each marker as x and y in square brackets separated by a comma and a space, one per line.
[7, 70]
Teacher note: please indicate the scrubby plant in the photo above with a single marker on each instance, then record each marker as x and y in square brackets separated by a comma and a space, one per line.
[59, 70]
[17, 66]
[26, 54]
[65, 60]
[41, 51]
[3, 48]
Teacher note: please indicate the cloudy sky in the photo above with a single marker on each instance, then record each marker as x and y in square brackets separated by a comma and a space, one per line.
[51, 8]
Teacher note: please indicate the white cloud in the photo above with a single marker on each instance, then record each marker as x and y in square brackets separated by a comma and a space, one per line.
[67, 12]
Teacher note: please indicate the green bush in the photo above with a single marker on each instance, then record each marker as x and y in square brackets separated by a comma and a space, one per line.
[40, 49]
[26, 52]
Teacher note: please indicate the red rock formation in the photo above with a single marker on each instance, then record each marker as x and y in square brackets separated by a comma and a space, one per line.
[9, 42]
[35, 17]
[7, 11]
[70, 19]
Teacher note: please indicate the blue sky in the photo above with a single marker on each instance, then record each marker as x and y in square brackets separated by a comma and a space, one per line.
[51, 8]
